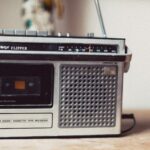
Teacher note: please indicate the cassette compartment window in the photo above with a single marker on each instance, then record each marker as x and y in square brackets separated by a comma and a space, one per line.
[26, 85]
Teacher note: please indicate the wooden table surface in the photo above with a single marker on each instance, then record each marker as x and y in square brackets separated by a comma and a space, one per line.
[138, 139]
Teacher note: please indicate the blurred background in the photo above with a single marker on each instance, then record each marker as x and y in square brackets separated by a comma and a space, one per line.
[128, 19]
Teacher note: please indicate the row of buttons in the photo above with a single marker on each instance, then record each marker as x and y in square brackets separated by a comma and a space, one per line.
[34, 33]
[28, 33]
[23, 32]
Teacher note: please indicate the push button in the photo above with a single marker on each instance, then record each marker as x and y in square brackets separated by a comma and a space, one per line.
[9, 32]
[31, 33]
[20, 32]
[42, 33]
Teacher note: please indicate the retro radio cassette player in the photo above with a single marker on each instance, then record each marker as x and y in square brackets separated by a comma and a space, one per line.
[60, 86]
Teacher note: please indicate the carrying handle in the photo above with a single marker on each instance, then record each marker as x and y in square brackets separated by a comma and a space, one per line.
[100, 17]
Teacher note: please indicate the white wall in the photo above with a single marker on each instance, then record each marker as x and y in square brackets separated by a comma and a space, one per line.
[10, 14]
[123, 18]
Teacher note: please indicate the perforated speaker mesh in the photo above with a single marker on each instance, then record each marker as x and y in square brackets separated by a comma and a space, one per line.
[87, 96]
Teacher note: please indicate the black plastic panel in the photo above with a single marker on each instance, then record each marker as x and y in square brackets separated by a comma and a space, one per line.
[39, 75]
[59, 47]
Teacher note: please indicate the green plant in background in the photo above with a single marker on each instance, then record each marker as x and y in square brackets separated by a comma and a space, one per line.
[38, 14]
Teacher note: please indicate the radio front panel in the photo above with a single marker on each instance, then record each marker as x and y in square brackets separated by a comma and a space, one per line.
[60, 86]
[86, 101]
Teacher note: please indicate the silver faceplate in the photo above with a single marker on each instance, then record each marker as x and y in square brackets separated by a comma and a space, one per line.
[119, 42]
[54, 129]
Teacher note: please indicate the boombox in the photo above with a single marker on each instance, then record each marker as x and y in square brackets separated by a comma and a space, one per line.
[60, 86]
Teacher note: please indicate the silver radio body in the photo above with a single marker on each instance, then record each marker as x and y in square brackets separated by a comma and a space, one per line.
[61, 86]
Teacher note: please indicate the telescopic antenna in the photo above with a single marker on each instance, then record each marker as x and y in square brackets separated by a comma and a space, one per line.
[100, 17]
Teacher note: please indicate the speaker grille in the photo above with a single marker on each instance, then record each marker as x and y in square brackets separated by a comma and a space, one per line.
[88, 96]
